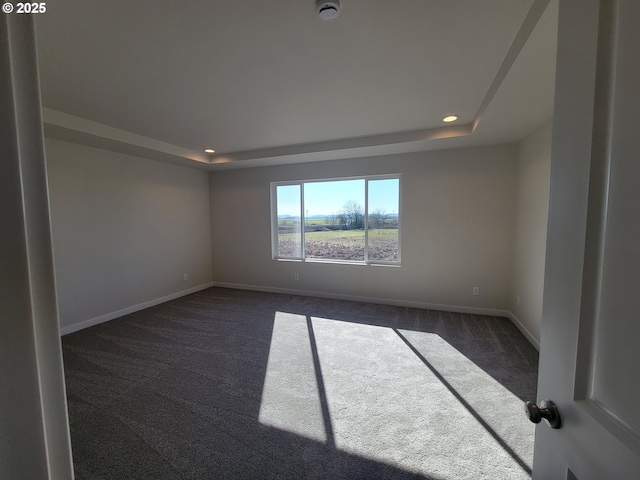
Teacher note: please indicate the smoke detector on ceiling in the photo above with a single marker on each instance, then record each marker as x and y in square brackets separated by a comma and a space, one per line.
[328, 10]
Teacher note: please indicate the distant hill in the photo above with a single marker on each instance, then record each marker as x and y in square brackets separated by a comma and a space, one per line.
[322, 217]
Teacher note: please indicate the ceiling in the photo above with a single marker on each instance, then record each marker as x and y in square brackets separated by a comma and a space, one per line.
[269, 82]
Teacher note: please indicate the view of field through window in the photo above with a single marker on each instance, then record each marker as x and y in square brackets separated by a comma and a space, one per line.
[337, 222]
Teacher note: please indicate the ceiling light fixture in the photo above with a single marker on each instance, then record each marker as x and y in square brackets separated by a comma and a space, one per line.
[209, 150]
[450, 118]
[328, 10]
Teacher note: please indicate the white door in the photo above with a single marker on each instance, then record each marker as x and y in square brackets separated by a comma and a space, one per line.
[590, 338]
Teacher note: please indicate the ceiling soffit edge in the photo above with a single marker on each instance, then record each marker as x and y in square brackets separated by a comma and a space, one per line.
[67, 127]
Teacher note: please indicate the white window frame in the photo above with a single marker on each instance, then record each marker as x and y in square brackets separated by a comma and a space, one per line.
[301, 183]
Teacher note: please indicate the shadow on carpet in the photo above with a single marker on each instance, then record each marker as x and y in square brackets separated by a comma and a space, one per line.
[229, 384]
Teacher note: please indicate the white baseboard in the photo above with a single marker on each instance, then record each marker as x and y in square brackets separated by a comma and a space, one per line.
[125, 311]
[378, 300]
[390, 301]
[354, 298]
[524, 331]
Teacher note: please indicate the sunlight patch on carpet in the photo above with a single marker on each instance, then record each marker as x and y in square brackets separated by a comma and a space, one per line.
[290, 398]
[406, 398]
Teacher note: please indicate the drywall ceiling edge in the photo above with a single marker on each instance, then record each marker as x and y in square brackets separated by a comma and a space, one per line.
[70, 128]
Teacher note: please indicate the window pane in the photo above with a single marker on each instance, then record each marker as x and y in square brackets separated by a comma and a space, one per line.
[334, 220]
[384, 209]
[288, 212]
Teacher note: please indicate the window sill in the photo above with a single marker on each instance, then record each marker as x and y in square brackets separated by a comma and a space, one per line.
[338, 262]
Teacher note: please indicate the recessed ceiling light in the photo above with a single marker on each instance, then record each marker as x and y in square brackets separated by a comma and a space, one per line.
[450, 118]
[209, 150]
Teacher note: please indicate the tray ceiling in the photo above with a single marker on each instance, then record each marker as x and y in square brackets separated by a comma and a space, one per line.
[270, 82]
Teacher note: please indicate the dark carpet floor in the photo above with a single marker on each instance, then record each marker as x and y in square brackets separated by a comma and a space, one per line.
[230, 384]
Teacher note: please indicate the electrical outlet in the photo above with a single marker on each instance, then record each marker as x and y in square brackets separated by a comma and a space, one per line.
[296, 276]
[476, 291]
[186, 276]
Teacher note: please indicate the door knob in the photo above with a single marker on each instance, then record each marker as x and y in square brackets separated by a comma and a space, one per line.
[546, 410]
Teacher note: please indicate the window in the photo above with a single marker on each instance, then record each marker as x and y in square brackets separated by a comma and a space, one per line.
[338, 220]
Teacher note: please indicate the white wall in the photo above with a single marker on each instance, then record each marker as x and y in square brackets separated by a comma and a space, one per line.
[532, 206]
[125, 231]
[457, 230]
